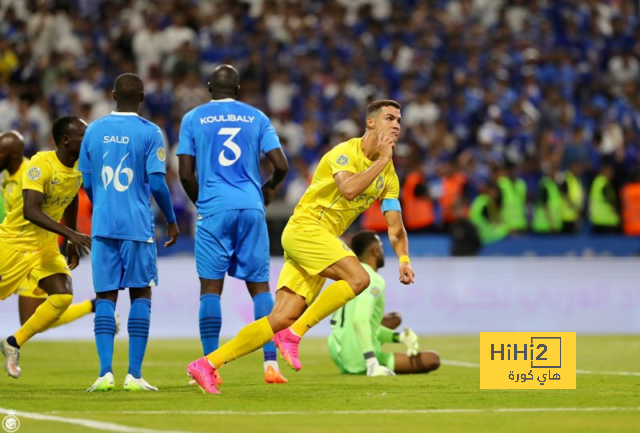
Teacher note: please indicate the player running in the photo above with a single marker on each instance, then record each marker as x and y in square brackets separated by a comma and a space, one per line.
[222, 141]
[13, 165]
[122, 159]
[348, 179]
[29, 233]
[360, 328]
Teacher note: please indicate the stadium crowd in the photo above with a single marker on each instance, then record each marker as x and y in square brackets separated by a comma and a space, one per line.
[523, 115]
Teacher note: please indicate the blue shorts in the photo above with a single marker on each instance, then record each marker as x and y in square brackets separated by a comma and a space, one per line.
[234, 242]
[118, 264]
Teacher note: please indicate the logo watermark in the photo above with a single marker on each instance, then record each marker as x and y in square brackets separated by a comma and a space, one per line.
[11, 423]
[527, 360]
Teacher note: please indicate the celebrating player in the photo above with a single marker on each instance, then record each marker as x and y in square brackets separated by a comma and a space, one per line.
[348, 179]
[28, 235]
[13, 165]
[359, 328]
[122, 158]
[223, 140]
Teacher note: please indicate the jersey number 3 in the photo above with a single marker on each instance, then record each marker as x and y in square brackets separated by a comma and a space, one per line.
[229, 144]
[108, 176]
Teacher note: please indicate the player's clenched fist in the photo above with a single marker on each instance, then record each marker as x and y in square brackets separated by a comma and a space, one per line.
[406, 273]
[385, 145]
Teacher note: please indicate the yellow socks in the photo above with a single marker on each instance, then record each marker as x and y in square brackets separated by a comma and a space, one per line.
[74, 312]
[46, 315]
[331, 298]
[250, 338]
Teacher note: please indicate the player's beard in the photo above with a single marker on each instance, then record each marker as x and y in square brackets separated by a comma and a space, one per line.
[380, 261]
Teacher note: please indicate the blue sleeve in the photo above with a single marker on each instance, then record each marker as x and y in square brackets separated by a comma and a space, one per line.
[391, 204]
[84, 164]
[87, 182]
[156, 156]
[187, 145]
[268, 137]
[161, 193]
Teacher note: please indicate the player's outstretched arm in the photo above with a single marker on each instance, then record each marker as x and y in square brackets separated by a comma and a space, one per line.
[280, 170]
[400, 243]
[188, 178]
[33, 213]
[162, 195]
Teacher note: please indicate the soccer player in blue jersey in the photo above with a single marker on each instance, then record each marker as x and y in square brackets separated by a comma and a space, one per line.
[122, 161]
[221, 141]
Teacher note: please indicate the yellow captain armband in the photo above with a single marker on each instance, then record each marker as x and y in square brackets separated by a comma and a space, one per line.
[404, 259]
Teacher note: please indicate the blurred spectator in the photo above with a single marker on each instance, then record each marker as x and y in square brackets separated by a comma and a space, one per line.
[485, 215]
[603, 202]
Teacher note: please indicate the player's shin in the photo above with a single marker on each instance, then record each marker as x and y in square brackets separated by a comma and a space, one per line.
[210, 322]
[250, 338]
[46, 315]
[138, 327]
[262, 306]
[105, 331]
[331, 298]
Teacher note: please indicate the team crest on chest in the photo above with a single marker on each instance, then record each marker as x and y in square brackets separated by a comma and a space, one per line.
[343, 160]
[379, 183]
[34, 173]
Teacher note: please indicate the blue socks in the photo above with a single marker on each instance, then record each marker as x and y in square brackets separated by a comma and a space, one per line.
[262, 305]
[210, 322]
[138, 327]
[104, 330]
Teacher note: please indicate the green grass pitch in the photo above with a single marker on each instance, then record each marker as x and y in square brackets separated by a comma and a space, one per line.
[318, 399]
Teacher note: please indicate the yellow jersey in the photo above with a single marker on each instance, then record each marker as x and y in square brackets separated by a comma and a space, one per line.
[323, 204]
[59, 185]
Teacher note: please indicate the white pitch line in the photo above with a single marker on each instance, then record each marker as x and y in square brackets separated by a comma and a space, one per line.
[96, 425]
[372, 412]
[476, 365]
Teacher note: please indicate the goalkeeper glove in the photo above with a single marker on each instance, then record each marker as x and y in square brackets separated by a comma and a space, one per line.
[410, 339]
[374, 369]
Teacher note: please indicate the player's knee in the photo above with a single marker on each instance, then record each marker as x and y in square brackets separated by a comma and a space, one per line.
[61, 301]
[359, 281]
[432, 362]
[392, 320]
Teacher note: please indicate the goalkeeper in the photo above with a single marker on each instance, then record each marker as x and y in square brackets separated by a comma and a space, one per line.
[359, 328]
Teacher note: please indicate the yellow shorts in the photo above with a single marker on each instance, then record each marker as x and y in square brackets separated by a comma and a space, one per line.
[23, 270]
[308, 252]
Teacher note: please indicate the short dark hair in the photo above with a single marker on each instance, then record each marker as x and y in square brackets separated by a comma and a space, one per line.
[128, 88]
[224, 78]
[377, 105]
[61, 127]
[361, 241]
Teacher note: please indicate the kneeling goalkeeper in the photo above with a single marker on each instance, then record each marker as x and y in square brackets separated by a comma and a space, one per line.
[359, 328]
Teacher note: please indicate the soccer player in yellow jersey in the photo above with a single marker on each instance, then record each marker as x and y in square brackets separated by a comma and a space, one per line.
[28, 236]
[348, 179]
[12, 167]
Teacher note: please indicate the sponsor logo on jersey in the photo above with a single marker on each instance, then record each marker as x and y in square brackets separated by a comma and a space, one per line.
[115, 139]
[379, 183]
[34, 173]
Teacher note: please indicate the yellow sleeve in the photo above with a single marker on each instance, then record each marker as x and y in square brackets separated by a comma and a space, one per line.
[36, 175]
[391, 185]
[340, 159]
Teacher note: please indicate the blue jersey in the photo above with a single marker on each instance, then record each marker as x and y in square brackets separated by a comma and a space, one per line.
[226, 138]
[120, 151]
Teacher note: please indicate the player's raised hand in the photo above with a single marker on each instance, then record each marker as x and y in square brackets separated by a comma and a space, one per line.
[81, 240]
[172, 232]
[385, 145]
[73, 255]
[406, 273]
[410, 339]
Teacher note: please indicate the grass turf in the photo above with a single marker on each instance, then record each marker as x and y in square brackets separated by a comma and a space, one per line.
[56, 374]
